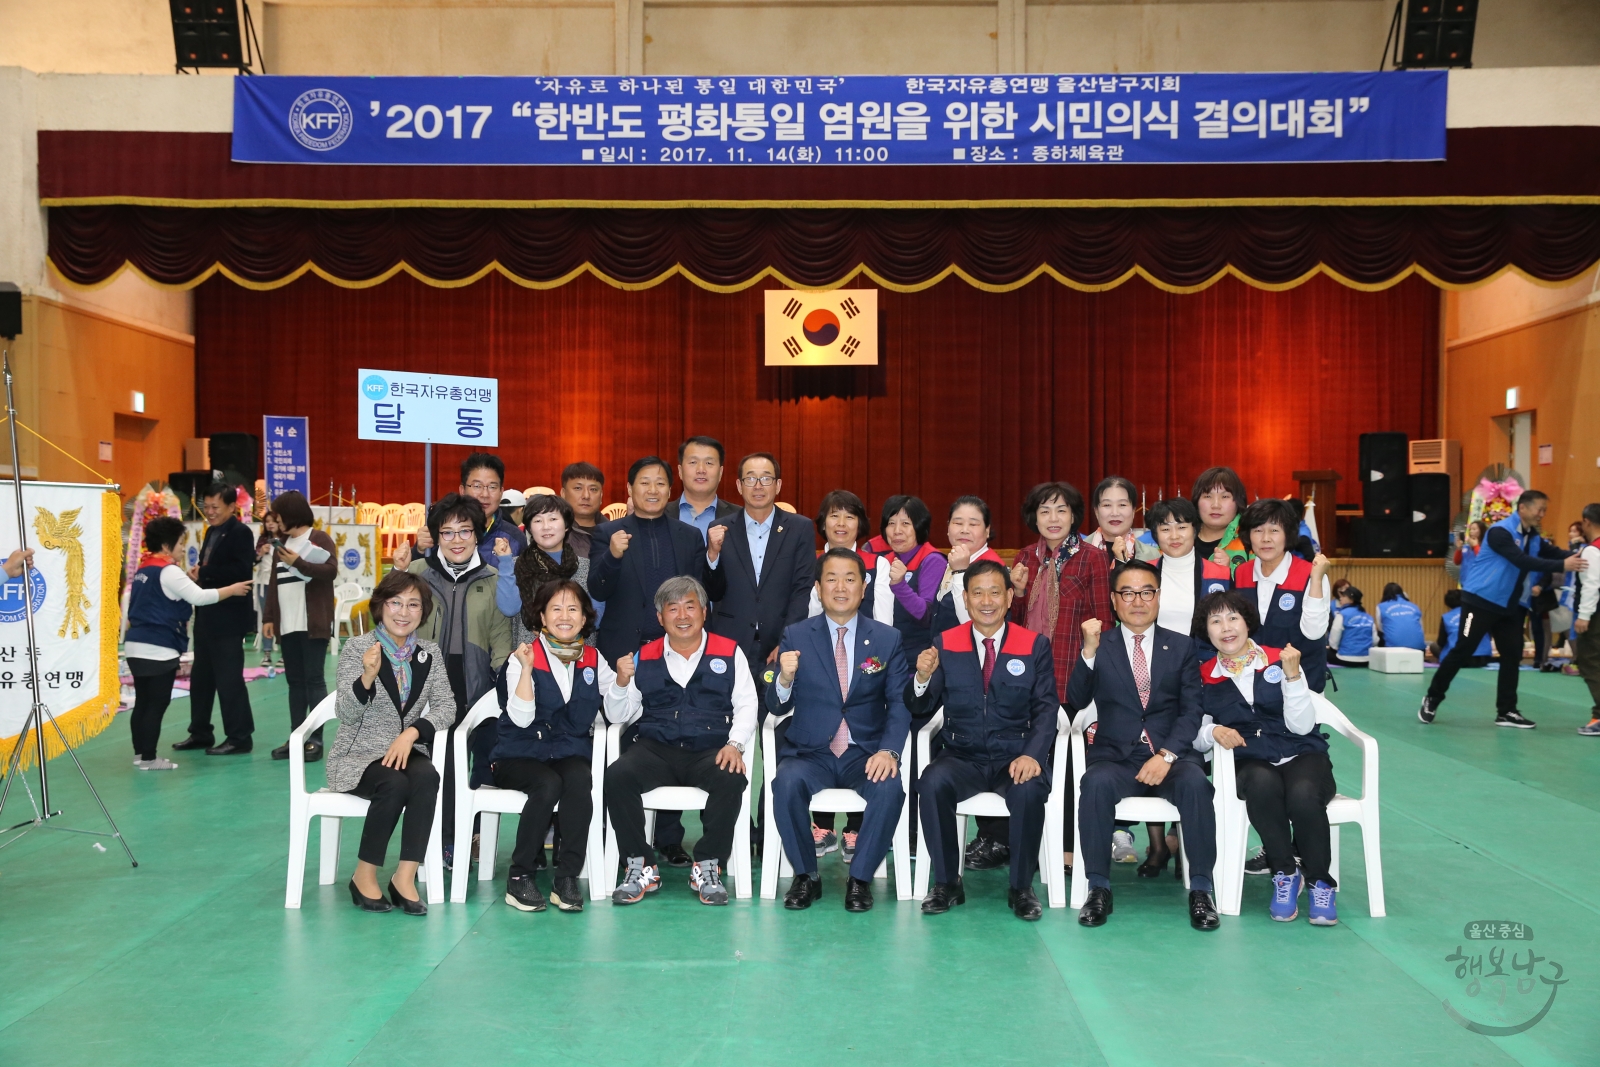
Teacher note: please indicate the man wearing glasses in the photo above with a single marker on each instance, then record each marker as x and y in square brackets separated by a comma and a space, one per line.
[1146, 688]
[483, 478]
[769, 562]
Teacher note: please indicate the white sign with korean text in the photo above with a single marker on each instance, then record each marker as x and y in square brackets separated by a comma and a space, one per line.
[837, 328]
[443, 409]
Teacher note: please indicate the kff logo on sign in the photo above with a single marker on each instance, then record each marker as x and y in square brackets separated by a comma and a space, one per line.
[320, 119]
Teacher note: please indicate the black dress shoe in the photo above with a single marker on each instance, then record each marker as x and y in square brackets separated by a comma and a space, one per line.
[1097, 909]
[805, 889]
[986, 855]
[857, 895]
[281, 752]
[366, 903]
[410, 907]
[942, 896]
[1154, 863]
[674, 856]
[313, 751]
[192, 742]
[1024, 904]
[1202, 912]
[228, 748]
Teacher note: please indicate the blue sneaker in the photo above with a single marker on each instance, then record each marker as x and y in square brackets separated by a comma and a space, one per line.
[1285, 906]
[1324, 905]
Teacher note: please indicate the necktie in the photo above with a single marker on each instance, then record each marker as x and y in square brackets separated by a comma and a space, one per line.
[1141, 671]
[841, 662]
[988, 661]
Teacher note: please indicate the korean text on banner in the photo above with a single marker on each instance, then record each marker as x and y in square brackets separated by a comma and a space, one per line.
[286, 445]
[76, 534]
[441, 409]
[1046, 119]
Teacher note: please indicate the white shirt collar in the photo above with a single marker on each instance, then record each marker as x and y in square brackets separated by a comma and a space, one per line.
[1279, 573]
[693, 657]
[978, 639]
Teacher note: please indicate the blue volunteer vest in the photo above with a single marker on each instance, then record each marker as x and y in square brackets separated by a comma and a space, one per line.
[1266, 735]
[1356, 640]
[1402, 623]
[915, 634]
[1280, 626]
[990, 725]
[153, 617]
[1452, 630]
[1492, 576]
[561, 727]
[697, 716]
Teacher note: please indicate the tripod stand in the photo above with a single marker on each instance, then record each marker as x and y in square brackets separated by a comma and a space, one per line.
[38, 713]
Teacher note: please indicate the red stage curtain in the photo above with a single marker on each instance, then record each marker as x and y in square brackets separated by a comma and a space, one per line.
[1181, 248]
[977, 392]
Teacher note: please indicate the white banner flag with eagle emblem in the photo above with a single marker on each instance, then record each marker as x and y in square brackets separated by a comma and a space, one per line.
[75, 532]
[835, 328]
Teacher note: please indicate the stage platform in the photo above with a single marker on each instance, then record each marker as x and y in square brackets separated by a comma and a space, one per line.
[192, 959]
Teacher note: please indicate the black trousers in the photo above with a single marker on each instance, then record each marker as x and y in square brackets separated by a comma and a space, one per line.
[649, 765]
[566, 781]
[1185, 787]
[1586, 654]
[1288, 806]
[949, 780]
[392, 792]
[669, 824]
[828, 820]
[1504, 625]
[305, 668]
[152, 692]
[219, 671]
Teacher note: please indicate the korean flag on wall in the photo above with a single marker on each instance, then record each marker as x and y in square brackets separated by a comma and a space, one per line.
[837, 328]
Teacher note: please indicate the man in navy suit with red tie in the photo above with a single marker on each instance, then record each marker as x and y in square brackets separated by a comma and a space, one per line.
[997, 685]
[844, 677]
[1144, 681]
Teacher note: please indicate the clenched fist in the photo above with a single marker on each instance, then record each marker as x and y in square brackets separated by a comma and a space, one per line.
[927, 663]
[788, 663]
[424, 538]
[402, 556]
[524, 654]
[619, 543]
[370, 660]
[897, 571]
[960, 558]
[625, 671]
[502, 547]
[1091, 637]
[714, 539]
[1319, 569]
[1290, 658]
[1019, 578]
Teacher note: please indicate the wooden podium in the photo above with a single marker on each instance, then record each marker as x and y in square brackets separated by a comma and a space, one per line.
[1323, 487]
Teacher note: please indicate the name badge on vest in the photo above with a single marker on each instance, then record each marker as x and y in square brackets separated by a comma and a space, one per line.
[719, 666]
[1273, 674]
[588, 676]
[422, 656]
[1015, 668]
[1215, 587]
[1286, 602]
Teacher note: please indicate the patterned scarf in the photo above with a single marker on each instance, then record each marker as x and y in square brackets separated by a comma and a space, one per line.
[565, 651]
[1044, 598]
[400, 659]
[1236, 665]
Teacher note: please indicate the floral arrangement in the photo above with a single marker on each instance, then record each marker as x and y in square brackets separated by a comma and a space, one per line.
[872, 666]
[1492, 500]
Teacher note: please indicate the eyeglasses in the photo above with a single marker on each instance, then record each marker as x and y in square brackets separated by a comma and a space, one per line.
[753, 480]
[402, 607]
[1128, 596]
[483, 487]
[457, 535]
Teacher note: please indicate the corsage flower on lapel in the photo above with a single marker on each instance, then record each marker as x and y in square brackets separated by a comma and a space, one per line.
[872, 666]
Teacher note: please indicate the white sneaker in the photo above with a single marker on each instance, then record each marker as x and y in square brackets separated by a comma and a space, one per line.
[1122, 850]
[157, 764]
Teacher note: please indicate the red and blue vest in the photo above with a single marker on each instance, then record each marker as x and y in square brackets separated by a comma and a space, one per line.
[1280, 626]
[697, 716]
[1266, 735]
[561, 726]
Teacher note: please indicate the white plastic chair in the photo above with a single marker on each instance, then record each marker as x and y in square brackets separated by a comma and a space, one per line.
[1233, 821]
[681, 798]
[993, 805]
[1131, 809]
[334, 808]
[345, 597]
[775, 862]
[494, 802]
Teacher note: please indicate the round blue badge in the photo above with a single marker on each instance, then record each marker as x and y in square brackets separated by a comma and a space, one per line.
[1273, 674]
[719, 666]
[352, 559]
[1015, 668]
[320, 119]
[1216, 587]
[1286, 602]
[13, 600]
[374, 387]
[588, 676]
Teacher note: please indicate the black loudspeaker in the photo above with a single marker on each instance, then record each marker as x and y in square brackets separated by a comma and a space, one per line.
[1431, 511]
[1438, 33]
[10, 310]
[1385, 463]
[1381, 538]
[206, 33]
[238, 456]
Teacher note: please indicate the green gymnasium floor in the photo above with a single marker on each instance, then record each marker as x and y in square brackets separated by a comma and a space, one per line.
[192, 959]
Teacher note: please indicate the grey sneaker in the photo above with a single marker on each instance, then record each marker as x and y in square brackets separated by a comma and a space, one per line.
[640, 879]
[157, 764]
[1122, 850]
[706, 879]
[847, 845]
[824, 840]
[1591, 728]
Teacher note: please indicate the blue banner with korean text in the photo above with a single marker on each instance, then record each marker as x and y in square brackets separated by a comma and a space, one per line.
[785, 121]
[286, 448]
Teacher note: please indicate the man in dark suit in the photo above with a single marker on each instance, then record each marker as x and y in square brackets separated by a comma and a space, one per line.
[1145, 683]
[700, 461]
[843, 677]
[768, 565]
[227, 556]
[629, 558]
[997, 685]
